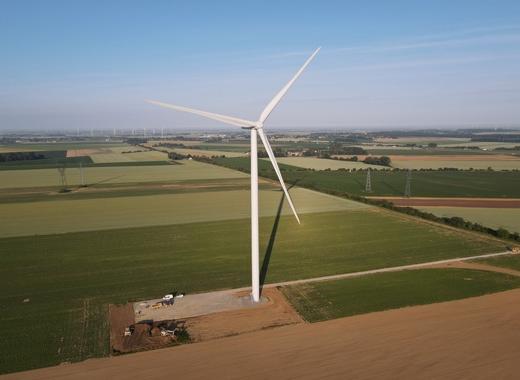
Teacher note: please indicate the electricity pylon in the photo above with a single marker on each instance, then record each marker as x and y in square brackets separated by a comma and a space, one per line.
[368, 185]
[408, 188]
[63, 179]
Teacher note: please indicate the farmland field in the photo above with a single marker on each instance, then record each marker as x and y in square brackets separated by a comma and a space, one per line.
[59, 216]
[497, 162]
[340, 298]
[116, 155]
[508, 218]
[189, 170]
[68, 279]
[392, 183]
[28, 147]
[118, 241]
[409, 151]
[488, 145]
[322, 164]
[206, 153]
[424, 140]
[509, 261]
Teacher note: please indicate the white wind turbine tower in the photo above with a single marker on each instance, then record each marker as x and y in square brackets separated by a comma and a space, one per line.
[256, 128]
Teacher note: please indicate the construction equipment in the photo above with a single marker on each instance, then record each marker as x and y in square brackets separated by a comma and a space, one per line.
[166, 332]
[128, 331]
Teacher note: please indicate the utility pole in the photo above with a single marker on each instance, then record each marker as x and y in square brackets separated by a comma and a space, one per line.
[368, 185]
[408, 188]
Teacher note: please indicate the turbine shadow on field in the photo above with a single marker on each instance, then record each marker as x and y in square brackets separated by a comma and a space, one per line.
[272, 238]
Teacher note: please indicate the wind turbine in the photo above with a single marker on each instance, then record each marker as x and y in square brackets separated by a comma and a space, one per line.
[257, 129]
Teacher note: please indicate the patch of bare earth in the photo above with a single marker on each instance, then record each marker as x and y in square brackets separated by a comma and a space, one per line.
[475, 338]
[120, 317]
[144, 336]
[275, 312]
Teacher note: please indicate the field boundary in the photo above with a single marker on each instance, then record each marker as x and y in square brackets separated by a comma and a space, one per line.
[452, 202]
[383, 270]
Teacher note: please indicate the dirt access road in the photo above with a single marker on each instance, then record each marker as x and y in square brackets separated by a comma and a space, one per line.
[476, 338]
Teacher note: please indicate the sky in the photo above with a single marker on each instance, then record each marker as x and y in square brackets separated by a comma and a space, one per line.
[383, 64]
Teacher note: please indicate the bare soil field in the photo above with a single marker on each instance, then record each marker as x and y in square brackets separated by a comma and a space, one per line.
[274, 312]
[454, 202]
[476, 338]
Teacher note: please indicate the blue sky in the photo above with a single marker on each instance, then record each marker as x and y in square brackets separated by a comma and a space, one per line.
[90, 64]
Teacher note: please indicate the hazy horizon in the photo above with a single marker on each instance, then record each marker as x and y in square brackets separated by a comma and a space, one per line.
[382, 66]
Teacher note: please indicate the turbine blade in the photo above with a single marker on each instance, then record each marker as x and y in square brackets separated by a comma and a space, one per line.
[209, 115]
[272, 158]
[274, 102]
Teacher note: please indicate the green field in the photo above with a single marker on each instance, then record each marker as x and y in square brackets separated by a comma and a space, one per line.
[70, 278]
[508, 218]
[189, 170]
[341, 298]
[322, 163]
[392, 183]
[59, 216]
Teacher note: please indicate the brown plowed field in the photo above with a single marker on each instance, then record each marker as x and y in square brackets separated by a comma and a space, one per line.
[454, 202]
[476, 338]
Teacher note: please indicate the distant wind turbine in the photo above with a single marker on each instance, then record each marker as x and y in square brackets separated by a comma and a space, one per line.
[256, 128]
